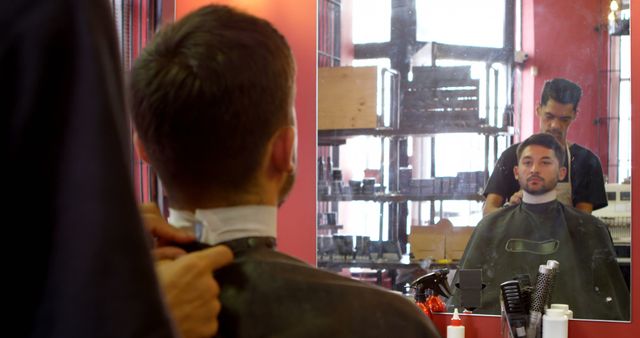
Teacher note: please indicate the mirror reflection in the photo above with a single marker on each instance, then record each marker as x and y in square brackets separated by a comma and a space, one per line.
[421, 107]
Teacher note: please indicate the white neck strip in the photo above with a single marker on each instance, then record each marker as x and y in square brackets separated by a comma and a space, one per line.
[213, 226]
[539, 199]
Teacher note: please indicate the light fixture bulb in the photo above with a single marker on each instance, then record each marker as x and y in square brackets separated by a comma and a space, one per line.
[614, 5]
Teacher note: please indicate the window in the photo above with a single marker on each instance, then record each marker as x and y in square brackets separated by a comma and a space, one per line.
[371, 21]
[624, 110]
[462, 22]
[619, 116]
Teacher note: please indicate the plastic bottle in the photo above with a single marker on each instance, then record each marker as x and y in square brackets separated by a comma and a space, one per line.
[555, 324]
[565, 308]
[455, 329]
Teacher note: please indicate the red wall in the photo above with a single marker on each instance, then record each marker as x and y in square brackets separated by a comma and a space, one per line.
[144, 189]
[568, 39]
[296, 19]
[525, 121]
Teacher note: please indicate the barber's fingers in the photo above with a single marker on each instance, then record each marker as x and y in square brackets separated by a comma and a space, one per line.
[212, 259]
[167, 234]
[519, 194]
[149, 208]
[167, 252]
[216, 307]
[158, 227]
[516, 198]
[205, 320]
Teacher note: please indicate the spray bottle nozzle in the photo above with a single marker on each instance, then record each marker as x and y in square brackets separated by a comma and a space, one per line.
[435, 281]
[455, 320]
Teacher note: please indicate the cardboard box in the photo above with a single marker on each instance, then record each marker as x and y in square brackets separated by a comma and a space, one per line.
[427, 242]
[347, 98]
[456, 241]
[430, 241]
[439, 241]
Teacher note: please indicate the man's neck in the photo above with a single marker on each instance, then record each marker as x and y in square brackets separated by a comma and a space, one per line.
[227, 201]
[539, 199]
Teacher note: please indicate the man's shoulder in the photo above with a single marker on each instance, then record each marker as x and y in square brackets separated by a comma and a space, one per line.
[581, 218]
[510, 152]
[575, 147]
[581, 153]
[497, 217]
[508, 159]
[513, 148]
[284, 269]
[306, 293]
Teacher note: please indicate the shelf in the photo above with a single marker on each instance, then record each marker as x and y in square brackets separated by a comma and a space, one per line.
[382, 265]
[401, 198]
[337, 136]
[623, 260]
[330, 227]
[374, 265]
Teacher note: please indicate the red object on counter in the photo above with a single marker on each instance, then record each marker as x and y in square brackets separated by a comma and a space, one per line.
[435, 304]
[424, 308]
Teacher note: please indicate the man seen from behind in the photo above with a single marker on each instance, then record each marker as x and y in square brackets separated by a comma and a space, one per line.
[213, 98]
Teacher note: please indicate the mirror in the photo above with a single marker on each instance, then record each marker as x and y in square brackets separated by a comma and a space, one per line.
[401, 165]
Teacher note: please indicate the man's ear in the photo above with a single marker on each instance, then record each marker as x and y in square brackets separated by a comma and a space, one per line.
[283, 150]
[515, 172]
[562, 173]
[137, 144]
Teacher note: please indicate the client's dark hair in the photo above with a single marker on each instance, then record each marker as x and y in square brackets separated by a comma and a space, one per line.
[208, 93]
[544, 140]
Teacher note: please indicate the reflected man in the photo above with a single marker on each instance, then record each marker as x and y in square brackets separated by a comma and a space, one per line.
[517, 239]
[583, 186]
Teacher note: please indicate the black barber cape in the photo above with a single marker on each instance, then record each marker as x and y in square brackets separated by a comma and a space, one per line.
[265, 293]
[518, 239]
[75, 261]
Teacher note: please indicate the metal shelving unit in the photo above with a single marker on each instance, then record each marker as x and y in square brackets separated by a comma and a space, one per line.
[400, 48]
[398, 197]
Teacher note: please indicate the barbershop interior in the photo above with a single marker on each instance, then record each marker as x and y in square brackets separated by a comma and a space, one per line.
[404, 108]
[413, 117]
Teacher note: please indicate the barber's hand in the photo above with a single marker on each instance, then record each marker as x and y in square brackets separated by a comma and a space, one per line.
[191, 292]
[163, 233]
[516, 198]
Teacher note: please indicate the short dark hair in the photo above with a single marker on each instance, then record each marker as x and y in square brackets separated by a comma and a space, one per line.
[544, 140]
[207, 95]
[562, 91]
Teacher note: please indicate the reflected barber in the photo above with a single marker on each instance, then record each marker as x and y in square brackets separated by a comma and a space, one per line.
[583, 185]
